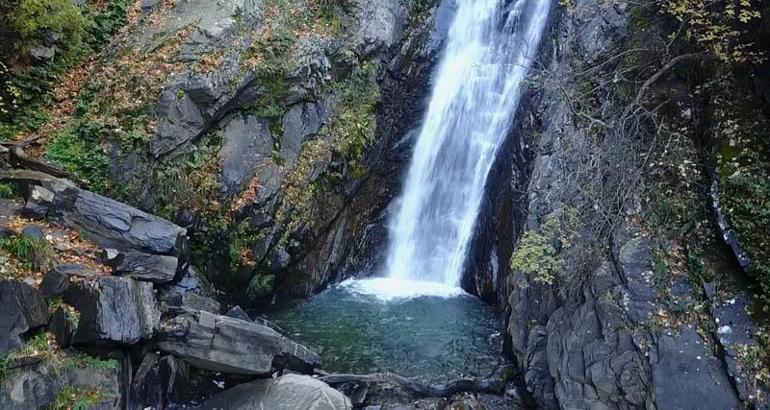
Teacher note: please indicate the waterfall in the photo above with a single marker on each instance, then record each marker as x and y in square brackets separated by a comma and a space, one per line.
[476, 89]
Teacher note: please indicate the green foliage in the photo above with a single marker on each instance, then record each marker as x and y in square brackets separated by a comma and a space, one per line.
[78, 149]
[32, 19]
[241, 240]
[29, 23]
[743, 163]
[83, 361]
[354, 122]
[721, 27]
[269, 60]
[77, 398]
[33, 253]
[260, 287]
[38, 346]
[8, 190]
[539, 251]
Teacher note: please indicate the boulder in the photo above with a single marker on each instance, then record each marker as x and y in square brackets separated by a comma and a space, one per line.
[115, 224]
[23, 309]
[146, 390]
[288, 392]
[113, 310]
[225, 344]
[142, 266]
[187, 302]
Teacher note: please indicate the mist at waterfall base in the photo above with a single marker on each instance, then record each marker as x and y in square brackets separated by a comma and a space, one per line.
[415, 320]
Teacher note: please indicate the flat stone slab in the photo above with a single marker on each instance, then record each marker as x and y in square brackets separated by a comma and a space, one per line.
[229, 345]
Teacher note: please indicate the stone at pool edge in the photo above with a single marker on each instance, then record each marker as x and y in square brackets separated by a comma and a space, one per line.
[23, 309]
[228, 345]
[288, 392]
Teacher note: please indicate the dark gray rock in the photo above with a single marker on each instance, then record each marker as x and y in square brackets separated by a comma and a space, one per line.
[686, 375]
[115, 224]
[23, 309]
[379, 26]
[63, 327]
[300, 122]
[174, 301]
[236, 312]
[146, 390]
[38, 203]
[142, 266]
[59, 278]
[246, 144]
[635, 260]
[113, 310]
[221, 343]
[735, 331]
[288, 392]
[54, 283]
[34, 231]
[112, 223]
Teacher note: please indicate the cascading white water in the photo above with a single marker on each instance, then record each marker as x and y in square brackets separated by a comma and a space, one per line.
[490, 46]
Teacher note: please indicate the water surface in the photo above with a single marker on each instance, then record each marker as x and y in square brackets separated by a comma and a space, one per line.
[357, 327]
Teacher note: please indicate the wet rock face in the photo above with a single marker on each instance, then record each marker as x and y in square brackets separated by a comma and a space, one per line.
[23, 309]
[596, 335]
[275, 162]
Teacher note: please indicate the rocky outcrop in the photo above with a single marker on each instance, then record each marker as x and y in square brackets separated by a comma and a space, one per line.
[39, 386]
[23, 309]
[287, 392]
[602, 321]
[225, 344]
[272, 140]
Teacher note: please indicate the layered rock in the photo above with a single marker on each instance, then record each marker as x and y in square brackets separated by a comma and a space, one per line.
[230, 345]
[599, 320]
[114, 310]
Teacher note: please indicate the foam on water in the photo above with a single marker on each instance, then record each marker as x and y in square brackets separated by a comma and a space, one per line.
[391, 289]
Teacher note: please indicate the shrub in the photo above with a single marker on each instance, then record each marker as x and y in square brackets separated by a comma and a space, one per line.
[260, 287]
[78, 149]
[539, 250]
[33, 253]
[34, 19]
[77, 398]
[720, 27]
[8, 190]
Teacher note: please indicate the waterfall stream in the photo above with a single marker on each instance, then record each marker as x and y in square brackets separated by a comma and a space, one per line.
[417, 321]
[477, 87]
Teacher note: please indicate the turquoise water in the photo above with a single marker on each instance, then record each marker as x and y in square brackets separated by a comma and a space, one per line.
[430, 338]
